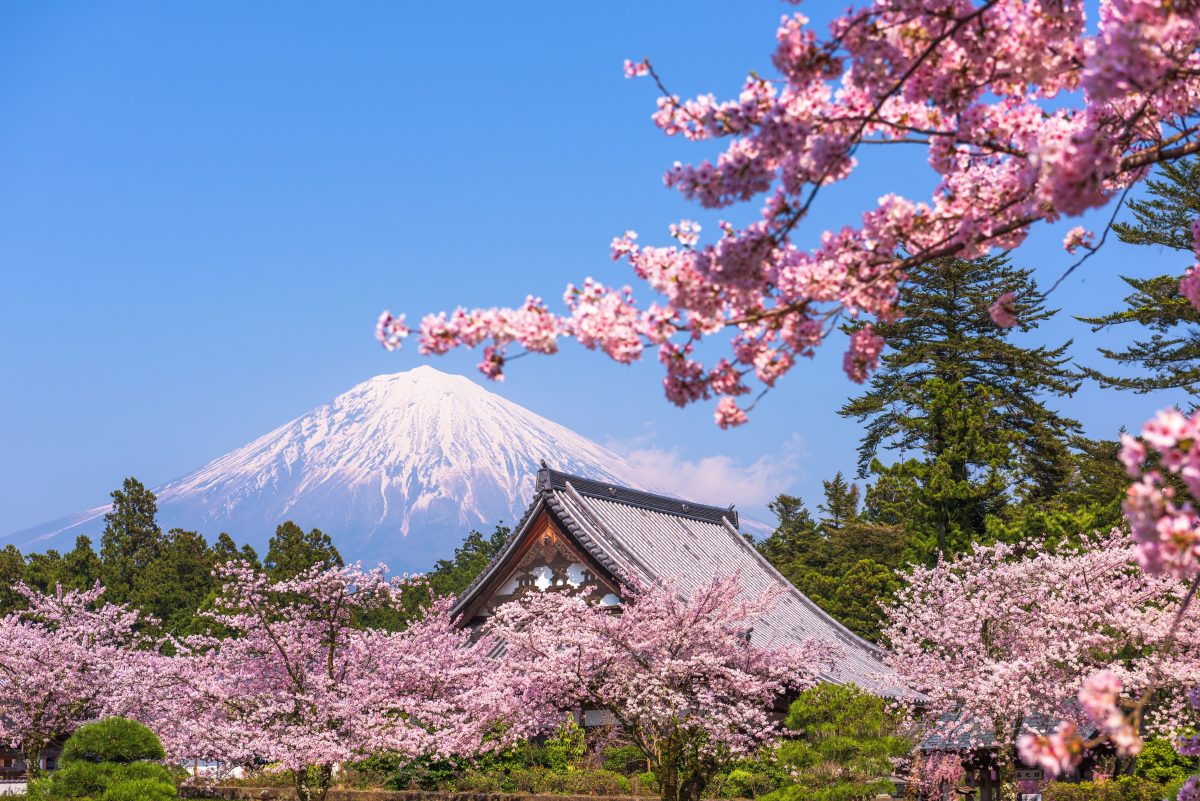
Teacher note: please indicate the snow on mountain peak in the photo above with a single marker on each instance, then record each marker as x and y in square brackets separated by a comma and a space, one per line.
[398, 468]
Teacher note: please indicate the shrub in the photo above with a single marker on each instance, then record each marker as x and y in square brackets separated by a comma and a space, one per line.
[139, 790]
[1125, 788]
[624, 759]
[743, 783]
[1160, 762]
[117, 740]
[104, 762]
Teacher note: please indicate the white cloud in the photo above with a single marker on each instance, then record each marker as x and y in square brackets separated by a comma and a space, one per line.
[716, 480]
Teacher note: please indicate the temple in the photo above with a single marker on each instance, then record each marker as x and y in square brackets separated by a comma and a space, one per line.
[589, 537]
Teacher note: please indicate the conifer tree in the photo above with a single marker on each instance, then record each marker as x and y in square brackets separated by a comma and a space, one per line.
[1170, 356]
[177, 581]
[226, 550]
[291, 551]
[963, 405]
[12, 570]
[81, 565]
[795, 537]
[840, 505]
[131, 539]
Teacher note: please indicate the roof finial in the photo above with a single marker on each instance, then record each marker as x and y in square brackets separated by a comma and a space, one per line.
[544, 465]
[731, 507]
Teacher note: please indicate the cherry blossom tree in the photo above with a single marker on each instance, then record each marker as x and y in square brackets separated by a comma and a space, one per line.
[1024, 116]
[64, 660]
[1008, 630]
[299, 685]
[678, 674]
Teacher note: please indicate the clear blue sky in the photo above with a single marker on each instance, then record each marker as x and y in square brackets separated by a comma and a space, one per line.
[204, 206]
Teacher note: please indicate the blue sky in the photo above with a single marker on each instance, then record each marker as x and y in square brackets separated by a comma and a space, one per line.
[203, 207]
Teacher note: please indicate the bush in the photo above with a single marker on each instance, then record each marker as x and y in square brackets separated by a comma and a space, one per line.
[624, 759]
[139, 790]
[742, 783]
[1160, 762]
[104, 762]
[1125, 788]
[117, 740]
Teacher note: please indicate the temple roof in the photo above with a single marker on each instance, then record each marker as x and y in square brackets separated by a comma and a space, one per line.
[647, 537]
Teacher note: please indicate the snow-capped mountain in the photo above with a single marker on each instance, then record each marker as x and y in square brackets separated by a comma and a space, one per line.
[397, 469]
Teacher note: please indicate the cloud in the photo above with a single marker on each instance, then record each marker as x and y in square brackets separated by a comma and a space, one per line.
[716, 480]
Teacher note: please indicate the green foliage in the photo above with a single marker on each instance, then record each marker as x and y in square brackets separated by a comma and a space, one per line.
[564, 749]
[139, 790]
[844, 562]
[627, 759]
[131, 539]
[291, 551]
[541, 780]
[115, 740]
[1124, 788]
[1160, 762]
[12, 570]
[106, 761]
[1170, 357]
[843, 743]
[963, 405]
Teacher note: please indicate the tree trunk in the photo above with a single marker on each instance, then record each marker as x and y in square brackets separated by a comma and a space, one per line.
[312, 784]
[32, 754]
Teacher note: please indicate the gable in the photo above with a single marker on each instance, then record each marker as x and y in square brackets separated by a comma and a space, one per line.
[545, 558]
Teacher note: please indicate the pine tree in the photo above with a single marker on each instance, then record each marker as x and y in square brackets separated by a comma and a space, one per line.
[840, 505]
[226, 550]
[844, 563]
[1170, 356]
[12, 570]
[131, 539]
[795, 537]
[963, 406]
[291, 551]
[81, 565]
[177, 582]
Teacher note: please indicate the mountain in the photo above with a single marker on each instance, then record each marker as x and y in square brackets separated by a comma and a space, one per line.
[398, 469]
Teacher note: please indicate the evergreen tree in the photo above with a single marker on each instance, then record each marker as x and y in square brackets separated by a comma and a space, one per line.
[177, 582]
[844, 562]
[842, 746]
[12, 570]
[81, 565]
[131, 539]
[841, 504]
[1170, 356]
[44, 571]
[452, 576]
[226, 550]
[962, 404]
[795, 537]
[291, 551]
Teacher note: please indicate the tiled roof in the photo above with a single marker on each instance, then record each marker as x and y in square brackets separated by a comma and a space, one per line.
[649, 537]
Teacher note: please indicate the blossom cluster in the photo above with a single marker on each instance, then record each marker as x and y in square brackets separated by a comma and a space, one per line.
[1165, 460]
[1027, 113]
[1006, 630]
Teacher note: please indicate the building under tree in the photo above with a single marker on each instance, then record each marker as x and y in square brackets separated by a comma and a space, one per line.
[589, 537]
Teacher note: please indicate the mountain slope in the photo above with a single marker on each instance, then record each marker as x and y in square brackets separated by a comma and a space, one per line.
[397, 469]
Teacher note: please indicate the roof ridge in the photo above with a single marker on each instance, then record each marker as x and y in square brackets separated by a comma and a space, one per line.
[555, 479]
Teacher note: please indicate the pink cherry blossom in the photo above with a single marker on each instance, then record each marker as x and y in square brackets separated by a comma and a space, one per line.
[683, 672]
[391, 331]
[729, 414]
[1056, 753]
[1189, 286]
[1026, 112]
[299, 684]
[1003, 310]
[1078, 237]
[863, 356]
[636, 69]
[65, 660]
[1007, 630]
